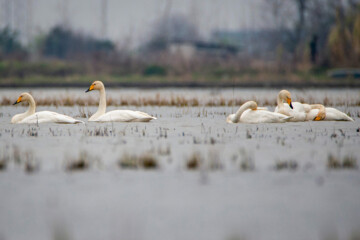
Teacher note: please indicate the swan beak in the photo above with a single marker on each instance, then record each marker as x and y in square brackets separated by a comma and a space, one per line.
[90, 88]
[289, 102]
[17, 101]
[317, 118]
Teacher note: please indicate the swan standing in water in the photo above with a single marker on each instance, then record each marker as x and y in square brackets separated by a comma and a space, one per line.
[30, 116]
[250, 113]
[117, 115]
[300, 110]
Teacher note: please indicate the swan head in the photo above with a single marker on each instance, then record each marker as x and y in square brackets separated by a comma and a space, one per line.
[322, 112]
[284, 95]
[97, 85]
[24, 97]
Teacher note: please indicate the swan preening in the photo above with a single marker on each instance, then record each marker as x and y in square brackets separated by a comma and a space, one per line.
[30, 116]
[117, 115]
[304, 112]
[250, 113]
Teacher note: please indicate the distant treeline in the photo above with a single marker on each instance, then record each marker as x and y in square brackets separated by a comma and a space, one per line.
[308, 37]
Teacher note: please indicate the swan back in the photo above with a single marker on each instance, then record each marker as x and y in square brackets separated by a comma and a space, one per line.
[49, 117]
[234, 118]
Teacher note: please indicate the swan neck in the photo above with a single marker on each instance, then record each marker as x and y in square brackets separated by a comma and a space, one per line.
[279, 101]
[32, 106]
[317, 106]
[239, 112]
[102, 103]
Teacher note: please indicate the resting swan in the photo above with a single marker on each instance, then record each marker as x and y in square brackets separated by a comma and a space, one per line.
[295, 109]
[250, 113]
[30, 116]
[326, 114]
[116, 115]
[317, 113]
[300, 110]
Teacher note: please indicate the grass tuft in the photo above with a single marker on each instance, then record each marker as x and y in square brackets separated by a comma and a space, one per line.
[193, 163]
[78, 164]
[348, 162]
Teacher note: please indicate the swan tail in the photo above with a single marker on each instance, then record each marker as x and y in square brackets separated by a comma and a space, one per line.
[347, 118]
[79, 121]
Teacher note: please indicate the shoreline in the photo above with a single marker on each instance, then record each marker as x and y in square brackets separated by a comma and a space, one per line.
[192, 85]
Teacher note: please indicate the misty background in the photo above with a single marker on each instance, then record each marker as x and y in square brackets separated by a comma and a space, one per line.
[179, 41]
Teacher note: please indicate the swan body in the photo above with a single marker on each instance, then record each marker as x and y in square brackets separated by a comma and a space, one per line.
[306, 112]
[30, 116]
[250, 113]
[316, 112]
[332, 114]
[124, 116]
[117, 115]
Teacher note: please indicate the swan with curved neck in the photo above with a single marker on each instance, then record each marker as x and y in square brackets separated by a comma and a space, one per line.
[294, 109]
[317, 113]
[117, 115]
[30, 116]
[250, 113]
[320, 113]
[301, 110]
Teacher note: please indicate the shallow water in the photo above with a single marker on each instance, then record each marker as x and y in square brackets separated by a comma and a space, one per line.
[220, 200]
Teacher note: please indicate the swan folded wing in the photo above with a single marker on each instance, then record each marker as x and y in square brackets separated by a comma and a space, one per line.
[125, 116]
[49, 117]
[332, 114]
[263, 116]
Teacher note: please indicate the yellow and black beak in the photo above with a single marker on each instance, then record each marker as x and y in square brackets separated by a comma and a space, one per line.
[17, 101]
[90, 88]
[289, 102]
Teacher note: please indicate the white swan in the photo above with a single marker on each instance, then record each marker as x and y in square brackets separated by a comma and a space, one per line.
[116, 115]
[317, 112]
[328, 114]
[295, 109]
[300, 110]
[250, 113]
[30, 116]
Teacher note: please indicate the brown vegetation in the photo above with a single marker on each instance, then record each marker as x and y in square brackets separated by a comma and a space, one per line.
[177, 101]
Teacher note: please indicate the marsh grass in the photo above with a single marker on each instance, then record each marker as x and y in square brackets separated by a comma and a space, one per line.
[17, 155]
[82, 162]
[4, 160]
[286, 165]
[128, 161]
[247, 162]
[31, 164]
[33, 131]
[164, 151]
[194, 161]
[100, 132]
[247, 165]
[213, 161]
[347, 162]
[178, 100]
[145, 161]
[148, 161]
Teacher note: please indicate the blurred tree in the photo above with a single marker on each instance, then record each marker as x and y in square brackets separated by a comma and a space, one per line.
[9, 43]
[176, 28]
[64, 44]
